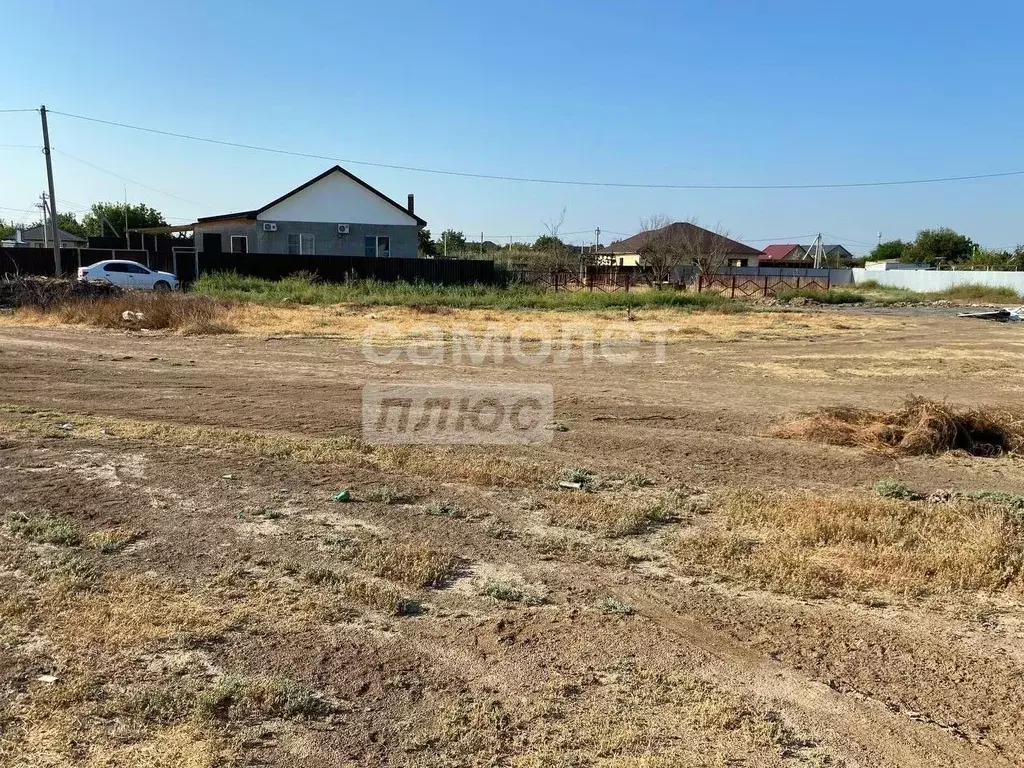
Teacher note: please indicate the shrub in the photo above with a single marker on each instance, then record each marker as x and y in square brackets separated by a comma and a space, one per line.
[44, 529]
[833, 296]
[511, 592]
[890, 488]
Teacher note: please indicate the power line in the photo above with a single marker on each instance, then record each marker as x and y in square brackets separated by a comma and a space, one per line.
[531, 180]
[851, 240]
[21, 210]
[125, 178]
[7, 111]
[22, 146]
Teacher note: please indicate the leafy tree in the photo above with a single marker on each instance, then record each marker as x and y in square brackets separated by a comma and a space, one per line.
[427, 247]
[69, 223]
[943, 245]
[452, 241]
[548, 243]
[7, 228]
[113, 215]
[890, 250]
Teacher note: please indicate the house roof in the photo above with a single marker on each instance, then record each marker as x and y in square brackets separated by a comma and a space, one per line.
[779, 251]
[336, 169]
[635, 243]
[36, 233]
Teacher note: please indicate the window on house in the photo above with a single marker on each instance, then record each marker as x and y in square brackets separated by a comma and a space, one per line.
[239, 244]
[737, 262]
[374, 246]
[302, 244]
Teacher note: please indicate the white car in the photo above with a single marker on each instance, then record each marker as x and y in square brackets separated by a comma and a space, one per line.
[128, 274]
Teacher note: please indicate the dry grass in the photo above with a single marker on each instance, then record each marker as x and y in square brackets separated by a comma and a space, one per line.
[393, 326]
[612, 514]
[919, 427]
[411, 564]
[619, 717]
[371, 592]
[819, 545]
[469, 464]
[185, 314]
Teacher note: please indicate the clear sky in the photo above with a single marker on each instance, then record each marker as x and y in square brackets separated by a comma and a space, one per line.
[730, 92]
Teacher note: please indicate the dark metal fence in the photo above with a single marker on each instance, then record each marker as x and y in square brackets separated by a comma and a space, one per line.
[39, 261]
[603, 279]
[274, 266]
[752, 286]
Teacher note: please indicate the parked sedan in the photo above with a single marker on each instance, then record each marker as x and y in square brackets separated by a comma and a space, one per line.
[129, 274]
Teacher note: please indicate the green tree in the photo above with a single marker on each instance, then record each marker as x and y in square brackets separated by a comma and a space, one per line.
[427, 247]
[890, 250]
[548, 243]
[7, 228]
[69, 223]
[452, 241]
[943, 245]
[102, 216]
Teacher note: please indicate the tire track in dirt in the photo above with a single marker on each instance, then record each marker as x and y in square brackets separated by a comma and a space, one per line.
[866, 730]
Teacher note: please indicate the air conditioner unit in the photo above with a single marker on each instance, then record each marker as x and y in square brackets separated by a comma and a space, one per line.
[343, 229]
[269, 226]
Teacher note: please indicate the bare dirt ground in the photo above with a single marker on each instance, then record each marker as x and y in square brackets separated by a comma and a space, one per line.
[180, 589]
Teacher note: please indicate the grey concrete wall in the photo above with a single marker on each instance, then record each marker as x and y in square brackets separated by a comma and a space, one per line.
[922, 280]
[327, 241]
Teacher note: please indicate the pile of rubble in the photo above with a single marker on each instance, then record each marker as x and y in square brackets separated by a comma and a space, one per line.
[43, 292]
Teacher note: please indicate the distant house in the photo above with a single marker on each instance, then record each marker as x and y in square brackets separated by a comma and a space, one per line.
[783, 252]
[34, 237]
[333, 214]
[792, 255]
[626, 253]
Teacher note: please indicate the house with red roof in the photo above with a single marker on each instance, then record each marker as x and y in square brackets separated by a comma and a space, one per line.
[793, 255]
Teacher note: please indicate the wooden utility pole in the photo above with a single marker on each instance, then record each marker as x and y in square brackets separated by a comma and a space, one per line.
[53, 197]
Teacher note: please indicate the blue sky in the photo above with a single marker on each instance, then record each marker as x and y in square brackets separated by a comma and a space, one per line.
[728, 92]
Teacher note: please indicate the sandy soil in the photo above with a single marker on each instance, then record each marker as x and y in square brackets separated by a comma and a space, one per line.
[705, 670]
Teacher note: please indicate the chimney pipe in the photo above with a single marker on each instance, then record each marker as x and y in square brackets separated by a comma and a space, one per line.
[412, 204]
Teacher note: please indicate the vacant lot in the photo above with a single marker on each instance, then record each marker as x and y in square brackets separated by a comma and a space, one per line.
[178, 586]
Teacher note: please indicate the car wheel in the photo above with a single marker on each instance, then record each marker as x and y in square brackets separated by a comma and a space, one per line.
[161, 286]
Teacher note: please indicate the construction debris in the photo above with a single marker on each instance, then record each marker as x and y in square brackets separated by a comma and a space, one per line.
[1007, 315]
[44, 292]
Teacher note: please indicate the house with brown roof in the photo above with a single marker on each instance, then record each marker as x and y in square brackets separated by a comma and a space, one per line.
[627, 253]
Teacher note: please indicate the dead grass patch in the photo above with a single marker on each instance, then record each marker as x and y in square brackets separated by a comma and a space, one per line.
[112, 540]
[184, 313]
[819, 545]
[919, 427]
[411, 564]
[611, 514]
[468, 464]
[372, 592]
[617, 716]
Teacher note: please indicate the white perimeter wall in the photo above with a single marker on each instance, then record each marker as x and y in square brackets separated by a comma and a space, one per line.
[336, 199]
[924, 280]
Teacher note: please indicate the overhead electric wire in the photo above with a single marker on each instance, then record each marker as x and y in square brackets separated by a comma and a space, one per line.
[7, 111]
[125, 178]
[533, 180]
